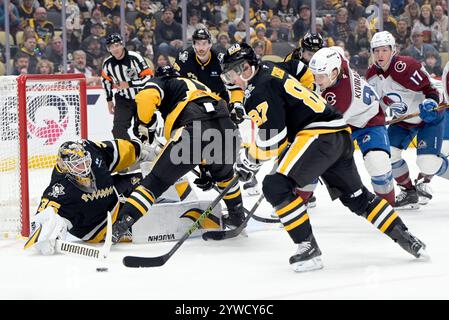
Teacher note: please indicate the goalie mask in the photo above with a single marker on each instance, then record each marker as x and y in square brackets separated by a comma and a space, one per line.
[75, 161]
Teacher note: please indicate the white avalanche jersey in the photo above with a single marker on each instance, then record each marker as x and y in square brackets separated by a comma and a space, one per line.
[402, 87]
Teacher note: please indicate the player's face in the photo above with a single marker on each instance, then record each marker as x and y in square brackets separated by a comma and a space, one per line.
[202, 47]
[307, 55]
[382, 56]
[323, 81]
[117, 50]
[236, 75]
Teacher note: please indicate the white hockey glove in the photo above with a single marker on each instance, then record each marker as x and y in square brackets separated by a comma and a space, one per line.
[237, 112]
[245, 167]
[49, 226]
[147, 131]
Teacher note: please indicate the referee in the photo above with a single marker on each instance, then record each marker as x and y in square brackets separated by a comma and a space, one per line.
[127, 71]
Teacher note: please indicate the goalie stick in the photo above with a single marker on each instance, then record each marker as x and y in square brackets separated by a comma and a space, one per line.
[227, 234]
[254, 216]
[146, 262]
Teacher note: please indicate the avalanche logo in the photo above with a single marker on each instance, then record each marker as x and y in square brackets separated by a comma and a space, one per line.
[331, 98]
[394, 102]
[47, 117]
[366, 138]
[210, 222]
[400, 66]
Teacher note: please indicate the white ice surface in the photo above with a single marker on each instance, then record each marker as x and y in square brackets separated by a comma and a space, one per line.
[359, 262]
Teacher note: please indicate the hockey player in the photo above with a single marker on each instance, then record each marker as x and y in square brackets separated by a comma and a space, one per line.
[404, 86]
[320, 145]
[445, 83]
[310, 43]
[189, 109]
[83, 189]
[359, 104]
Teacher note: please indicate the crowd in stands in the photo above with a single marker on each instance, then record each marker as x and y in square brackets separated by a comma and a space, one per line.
[276, 26]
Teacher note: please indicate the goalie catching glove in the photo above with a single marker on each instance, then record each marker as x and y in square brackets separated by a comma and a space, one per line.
[245, 167]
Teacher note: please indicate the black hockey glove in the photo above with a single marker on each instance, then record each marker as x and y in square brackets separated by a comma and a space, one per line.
[120, 228]
[237, 112]
[244, 167]
[204, 181]
[146, 132]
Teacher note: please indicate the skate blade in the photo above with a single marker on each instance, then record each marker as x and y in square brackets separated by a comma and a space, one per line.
[309, 265]
[423, 255]
[412, 206]
[423, 201]
[252, 192]
[311, 205]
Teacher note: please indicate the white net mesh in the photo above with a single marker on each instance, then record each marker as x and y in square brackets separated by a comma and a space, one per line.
[53, 116]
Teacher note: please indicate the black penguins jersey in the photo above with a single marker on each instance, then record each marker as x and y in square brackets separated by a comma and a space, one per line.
[189, 66]
[299, 70]
[86, 211]
[281, 107]
[172, 96]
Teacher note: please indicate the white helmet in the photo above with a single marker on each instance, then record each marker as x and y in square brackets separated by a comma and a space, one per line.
[383, 38]
[324, 61]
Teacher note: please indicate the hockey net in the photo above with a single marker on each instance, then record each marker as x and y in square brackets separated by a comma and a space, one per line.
[37, 114]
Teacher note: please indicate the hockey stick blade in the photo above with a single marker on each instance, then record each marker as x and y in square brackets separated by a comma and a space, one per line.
[148, 262]
[227, 234]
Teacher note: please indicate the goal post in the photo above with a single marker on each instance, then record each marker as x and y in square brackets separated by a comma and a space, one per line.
[37, 114]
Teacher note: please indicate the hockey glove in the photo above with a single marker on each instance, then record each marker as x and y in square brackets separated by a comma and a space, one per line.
[427, 110]
[146, 132]
[237, 112]
[245, 167]
[120, 228]
[204, 181]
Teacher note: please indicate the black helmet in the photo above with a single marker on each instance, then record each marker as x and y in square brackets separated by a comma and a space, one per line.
[238, 53]
[74, 159]
[166, 71]
[312, 42]
[201, 34]
[113, 38]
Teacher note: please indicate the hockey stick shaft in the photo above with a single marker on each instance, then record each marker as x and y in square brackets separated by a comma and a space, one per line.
[143, 262]
[413, 115]
[255, 217]
[226, 234]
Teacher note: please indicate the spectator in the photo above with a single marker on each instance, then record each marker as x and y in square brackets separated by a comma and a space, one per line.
[73, 41]
[194, 22]
[44, 29]
[329, 25]
[223, 43]
[402, 35]
[233, 12]
[327, 40]
[109, 9]
[168, 34]
[259, 48]
[259, 12]
[114, 26]
[355, 10]
[342, 28]
[30, 48]
[79, 65]
[327, 8]
[260, 37]
[14, 17]
[53, 5]
[397, 7]
[223, 27]
[86, 7]
[145, 19]
[145, 47]
[419, 50]
[285, 11]
[44, 67]
[360, 52]
[96, 18]
[200, 9]
[161, 61]
[301, 25]
[240, 34]
[94, 54]
[431, 65]
[389, 22]
[26, 11]
[276, 32]
[430, 29]
[55, 53]
[177, 11]
[440, 18]
[411, 14]
[21, 64]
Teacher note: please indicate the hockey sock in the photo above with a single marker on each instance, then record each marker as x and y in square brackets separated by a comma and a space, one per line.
[382, 215]
[383, 186]
[401, 174]
[138, 203]
[232, 199]
[294, 217]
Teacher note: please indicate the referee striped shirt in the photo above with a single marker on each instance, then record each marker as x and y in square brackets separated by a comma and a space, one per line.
[132, 68]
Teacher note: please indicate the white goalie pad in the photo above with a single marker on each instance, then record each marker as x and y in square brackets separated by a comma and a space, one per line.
[170, 221]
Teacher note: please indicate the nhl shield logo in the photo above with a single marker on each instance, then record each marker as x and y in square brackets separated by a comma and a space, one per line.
[131, 73]
[422, 144]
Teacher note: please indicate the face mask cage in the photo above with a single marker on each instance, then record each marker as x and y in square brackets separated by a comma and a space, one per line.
[231, 72]
[76, 165]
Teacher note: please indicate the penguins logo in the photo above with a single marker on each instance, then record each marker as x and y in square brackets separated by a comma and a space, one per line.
[48, 117]
[210, 222]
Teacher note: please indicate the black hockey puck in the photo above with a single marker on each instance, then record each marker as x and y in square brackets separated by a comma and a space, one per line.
[102, 269]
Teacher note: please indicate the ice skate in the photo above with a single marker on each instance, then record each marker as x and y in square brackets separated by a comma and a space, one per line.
[251, 187]
[409, 242]
[407, 199]
[234, 219]
[307, 257]
[424, 191]
[311, 203]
